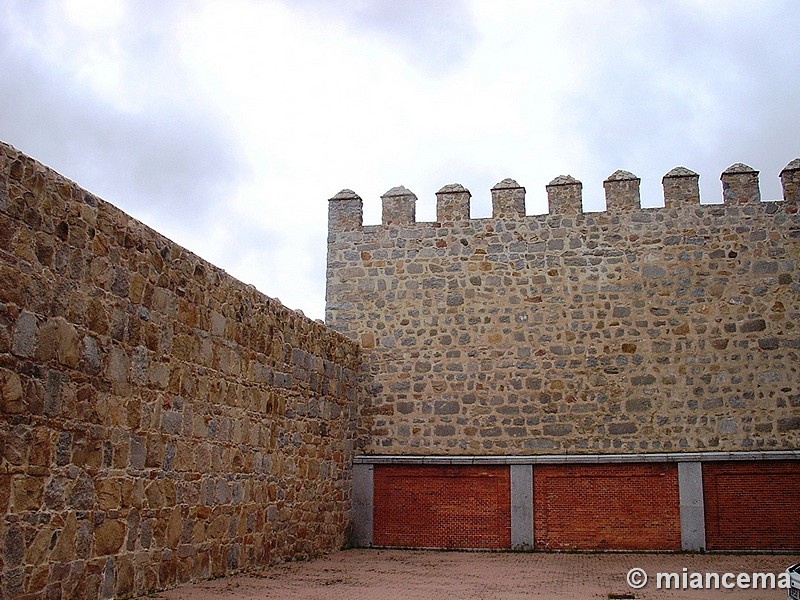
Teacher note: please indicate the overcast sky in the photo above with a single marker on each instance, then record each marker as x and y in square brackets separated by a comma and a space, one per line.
[227, 124]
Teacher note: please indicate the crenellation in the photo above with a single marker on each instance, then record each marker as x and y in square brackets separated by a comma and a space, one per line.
[452, 203]
[624, 330]
[565, 196]
[622, 192]
[740, 185]
[345, 211]
[399, 206]
[508, 200]
[681, 188]
[790, 182]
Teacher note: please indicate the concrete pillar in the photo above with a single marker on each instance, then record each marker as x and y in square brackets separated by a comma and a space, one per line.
[363, 502]
[693, 521]
[522, 507]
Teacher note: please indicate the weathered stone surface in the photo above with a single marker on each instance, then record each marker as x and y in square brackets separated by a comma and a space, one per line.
[399, 206]
[11, 393]
[108, 537]
[578, 332]
[27, 492]
[130, 371]
[564, 195]
[346, 210]
[24, 341]
[508, 199]
[452, 203]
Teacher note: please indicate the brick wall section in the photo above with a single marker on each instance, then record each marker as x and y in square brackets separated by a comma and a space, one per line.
[160, 422]
[606, 507]
[442, 507]
[752, 506]
[631, 330]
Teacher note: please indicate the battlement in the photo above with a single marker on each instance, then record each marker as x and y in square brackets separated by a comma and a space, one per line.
[740, 187]
[629, 330]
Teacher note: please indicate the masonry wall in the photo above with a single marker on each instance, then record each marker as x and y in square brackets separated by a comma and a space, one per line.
[160, 421]
[625, 331]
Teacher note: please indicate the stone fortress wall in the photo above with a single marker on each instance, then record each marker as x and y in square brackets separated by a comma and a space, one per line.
[633, 330]
[160, 421]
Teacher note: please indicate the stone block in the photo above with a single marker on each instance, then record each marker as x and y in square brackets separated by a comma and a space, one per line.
[27, 493]
[622, 428]
[753, 325]
[446, 407]
[109, 537]
[81, 495]
[557, 429]
[24, 339]
[11, 392]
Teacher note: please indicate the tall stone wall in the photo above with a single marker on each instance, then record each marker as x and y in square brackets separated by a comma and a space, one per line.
[625, 331]
[159, 421]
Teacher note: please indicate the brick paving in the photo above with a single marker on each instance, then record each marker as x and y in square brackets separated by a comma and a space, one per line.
[399, 574]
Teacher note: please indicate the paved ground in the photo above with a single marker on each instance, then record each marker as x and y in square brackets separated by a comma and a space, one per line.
[400, 574]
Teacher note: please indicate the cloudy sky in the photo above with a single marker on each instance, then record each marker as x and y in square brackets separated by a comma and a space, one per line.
[227, 124]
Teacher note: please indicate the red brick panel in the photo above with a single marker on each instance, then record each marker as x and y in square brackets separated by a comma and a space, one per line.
[606, 507]
[442, 506]
[752, 505]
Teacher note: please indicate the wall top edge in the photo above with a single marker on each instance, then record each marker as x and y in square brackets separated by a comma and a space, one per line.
[544, 459]
[618, 175]
[740, 189]
[177, 252]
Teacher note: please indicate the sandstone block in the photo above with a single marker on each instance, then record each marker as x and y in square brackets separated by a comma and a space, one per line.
[27, 492]
[109, 537]
[11, 392]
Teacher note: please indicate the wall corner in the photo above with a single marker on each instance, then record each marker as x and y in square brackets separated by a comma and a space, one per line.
[345, 211]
